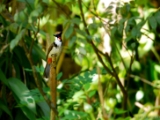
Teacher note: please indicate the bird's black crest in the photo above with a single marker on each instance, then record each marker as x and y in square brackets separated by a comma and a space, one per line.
[58, 34]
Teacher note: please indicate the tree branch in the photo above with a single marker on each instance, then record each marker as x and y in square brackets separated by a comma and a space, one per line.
[101, 95]
[99, 57]
[106, 56]
[36, 77]
[144, 80]
[89, 41]
[53, 86]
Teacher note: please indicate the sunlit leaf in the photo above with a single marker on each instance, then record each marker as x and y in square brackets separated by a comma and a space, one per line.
[92, 93]
[20, 90]
[86, 86]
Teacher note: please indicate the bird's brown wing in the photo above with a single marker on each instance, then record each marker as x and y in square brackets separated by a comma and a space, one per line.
[49, 49]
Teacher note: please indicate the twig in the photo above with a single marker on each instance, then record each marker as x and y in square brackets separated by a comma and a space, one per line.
[155, 53]
[101, 96]
[146, 114]
[148, 36]
[120, 56]
[24, 75]
[119, 82]
[145, 81]
[128, 73]
[138, 104]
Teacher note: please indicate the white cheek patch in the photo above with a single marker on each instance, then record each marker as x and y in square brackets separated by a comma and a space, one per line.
[58, 41]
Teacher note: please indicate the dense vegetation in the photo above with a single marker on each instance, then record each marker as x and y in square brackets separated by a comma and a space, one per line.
[109, 68]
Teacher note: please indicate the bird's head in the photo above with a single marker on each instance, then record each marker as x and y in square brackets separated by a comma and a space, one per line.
[58, 35]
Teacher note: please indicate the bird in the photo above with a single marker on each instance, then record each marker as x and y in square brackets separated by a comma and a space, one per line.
[54, 49]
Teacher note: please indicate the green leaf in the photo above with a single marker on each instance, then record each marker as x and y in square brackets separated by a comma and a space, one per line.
[4, 107]
[98, 40]
[130, 24]
[15, 41]
[76, 21]
[104, 71]
[93, 26]
[28, 70]
[3, 78]
[152, 22]
[72, 41]
[87, 86]
[132, 44]
[59, 75]
[30, 100]
[81, 32]
[134, 32]
[141, 2]
[121, 26]
[13, 27]
[157, 16]
[37, 11]
[119, 111]
[45, 108]
[68, 32]
[92, 93]
[39, 69]
[42, 33]
[20, 91]
[21, 57]
[89, 37]
[39, 51]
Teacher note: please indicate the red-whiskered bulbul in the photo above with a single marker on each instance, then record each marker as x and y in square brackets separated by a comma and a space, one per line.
[54, 49]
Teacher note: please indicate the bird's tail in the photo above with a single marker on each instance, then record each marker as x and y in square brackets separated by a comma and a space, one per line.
[46, 71]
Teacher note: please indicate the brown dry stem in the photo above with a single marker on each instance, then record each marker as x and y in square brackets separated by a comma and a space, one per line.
[53, 86]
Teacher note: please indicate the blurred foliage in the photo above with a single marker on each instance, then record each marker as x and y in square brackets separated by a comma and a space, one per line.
[115, 43]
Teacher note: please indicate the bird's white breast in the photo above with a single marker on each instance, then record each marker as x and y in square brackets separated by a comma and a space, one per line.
[58, 42]
[56, 50]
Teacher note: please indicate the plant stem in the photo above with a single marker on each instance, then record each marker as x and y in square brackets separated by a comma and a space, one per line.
[53, 86]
